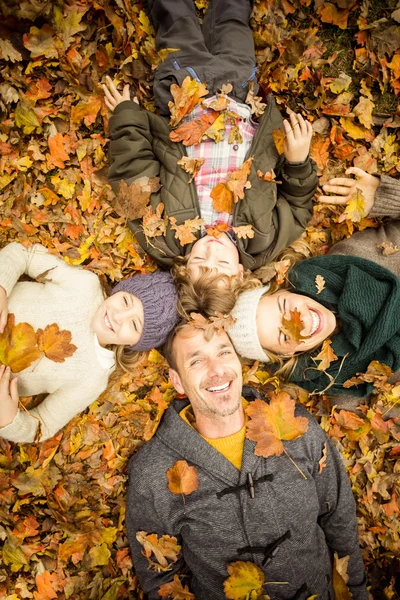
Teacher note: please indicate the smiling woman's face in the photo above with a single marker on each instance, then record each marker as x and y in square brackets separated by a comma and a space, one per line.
[215, 253]
[319, 322]
[119, 320]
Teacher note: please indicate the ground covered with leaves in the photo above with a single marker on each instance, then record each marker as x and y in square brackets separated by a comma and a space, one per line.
[62, 502]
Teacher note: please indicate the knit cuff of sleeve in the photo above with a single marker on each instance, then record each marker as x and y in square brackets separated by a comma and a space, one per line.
[21, 429]
[298, 170]
[243, 333]
[387, 198]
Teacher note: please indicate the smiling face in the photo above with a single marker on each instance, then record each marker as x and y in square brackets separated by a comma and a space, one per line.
[119, 320]
[319, 322]
[209, 373]
[215, 253]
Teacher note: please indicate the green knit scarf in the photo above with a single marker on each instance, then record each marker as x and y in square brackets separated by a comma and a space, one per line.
[366, 299]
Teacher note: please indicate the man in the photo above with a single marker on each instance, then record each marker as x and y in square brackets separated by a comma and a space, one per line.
[245, 507]
[218, 53]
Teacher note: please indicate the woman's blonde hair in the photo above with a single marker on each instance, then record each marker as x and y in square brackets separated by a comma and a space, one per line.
[126, 359]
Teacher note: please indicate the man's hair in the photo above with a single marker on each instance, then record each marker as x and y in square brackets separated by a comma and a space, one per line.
[168, 349]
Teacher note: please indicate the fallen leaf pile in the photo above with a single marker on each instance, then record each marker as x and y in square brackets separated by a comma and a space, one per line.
[62, 503]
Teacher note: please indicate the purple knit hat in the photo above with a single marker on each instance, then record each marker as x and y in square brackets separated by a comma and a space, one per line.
[159, 297]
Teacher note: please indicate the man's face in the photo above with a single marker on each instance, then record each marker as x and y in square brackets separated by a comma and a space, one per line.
[219, 254]
[209, 373]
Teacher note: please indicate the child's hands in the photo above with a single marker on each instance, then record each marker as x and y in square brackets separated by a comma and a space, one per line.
[3, 309]
[8, 396]
[346, 187]
[113, 96]
[298, 138]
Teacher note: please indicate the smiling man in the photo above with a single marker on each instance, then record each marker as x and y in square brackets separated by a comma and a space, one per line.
[244, 507]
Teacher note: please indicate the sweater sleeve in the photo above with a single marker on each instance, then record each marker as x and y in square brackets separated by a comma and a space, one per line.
[337, 513]
[387, 198]
[16, 260]
[142, 515]
[56, 410]
[130, 152]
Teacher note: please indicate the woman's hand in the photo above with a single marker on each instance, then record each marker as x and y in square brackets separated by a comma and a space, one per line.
[113, 97]
[298, 138]
[346, 187]
[8, 396]
[3, 309]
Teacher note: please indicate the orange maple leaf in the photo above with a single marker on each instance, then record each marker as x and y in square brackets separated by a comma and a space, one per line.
[55, 344]
[326, 356]
[185, 98]
[18, 345]
[46, 582]
[182, 478]
[184, 232]
[293, 327]
[217, 230]
[161, 551]
[131, 200]
[175, 590]
[191, 133]
[271, 424]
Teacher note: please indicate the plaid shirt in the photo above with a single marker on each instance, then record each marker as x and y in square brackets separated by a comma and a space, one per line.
[220, 158]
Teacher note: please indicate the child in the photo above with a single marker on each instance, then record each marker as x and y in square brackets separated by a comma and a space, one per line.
[219, 53]
[98, 334]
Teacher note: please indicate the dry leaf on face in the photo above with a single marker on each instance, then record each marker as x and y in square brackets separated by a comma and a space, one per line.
[322, 460]
[387, 248]
[161, 551]
[182, 478]
[131, 200]
[244, 231]
[154, 224]
[217, 230]
[191, 133]
[191, 165]
[55, 343]
[246, 580]
[320, 283]
[222, 198]
[271, 424]
[185, 98]
[355, 208]
[326, 356]
[18, 349]
[279, 137]
[215, 324]
[340, 578]
[184, 232]
[175, 590]
[293, 327]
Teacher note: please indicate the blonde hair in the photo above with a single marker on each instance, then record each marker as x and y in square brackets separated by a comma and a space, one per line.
[127, 359]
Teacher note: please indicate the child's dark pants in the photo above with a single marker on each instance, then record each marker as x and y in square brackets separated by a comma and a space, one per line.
[221, 51]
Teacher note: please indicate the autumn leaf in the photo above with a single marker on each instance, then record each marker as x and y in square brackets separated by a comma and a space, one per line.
[184, 232]
[340, 83]
[224, 195]
[319, 151]
[322, 460]
[219, 104]
[175, 590]
[246, 580]
[165, 52]
[279, 137]
[46, 582]
[191, 133]
[216, 130]
[217, 229]
[377, 374]
[270, 424]
[215, 324]
[255, 102]
[267, 176]
[185, 98]
[293, 327]
[244, 231]
[55, 344]
[182, 478]
[153, 224]
[191, 165]
[364, 111]
[132, 199]
[222, 198]
[320, 283]
[340, 578]
[326, 356]
[388, 248]
[355, 208]
[165, 549]
[18, 345]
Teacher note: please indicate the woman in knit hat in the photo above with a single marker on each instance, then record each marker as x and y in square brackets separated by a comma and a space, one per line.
[68, 338]
[358, 308]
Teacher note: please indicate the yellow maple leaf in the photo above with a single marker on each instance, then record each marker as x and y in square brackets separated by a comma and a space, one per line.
[245, 579]
[355, 208]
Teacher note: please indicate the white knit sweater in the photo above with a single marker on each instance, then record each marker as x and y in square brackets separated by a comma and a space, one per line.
[69, 297]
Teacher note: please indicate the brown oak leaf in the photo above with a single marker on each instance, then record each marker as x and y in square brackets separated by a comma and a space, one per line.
[293, 327]
[18, 345]
[182, 478]
[257, 105]
[320, 283]
[131, 200]
[55, 343]
[191, 133]
[215, 324]
[185, 98]
[271, 424]
[161, 551]
[191, 165]
[219, 104]
[154, 224]
[217, 230]
[184, 232]
[387, 248]
[175, 590]
[244, 231]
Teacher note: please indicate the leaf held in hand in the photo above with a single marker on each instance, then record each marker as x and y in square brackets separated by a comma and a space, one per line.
[326, 356]
[320, 283]
[271, 424]
[182, 478]
[355, 208]
[55, 344]
[131, 200]
[161, 551]
[184, 232]
[245, 580]
[185, 98]
[293, 327]
[279, 137]
[175, 590]
[18, 349]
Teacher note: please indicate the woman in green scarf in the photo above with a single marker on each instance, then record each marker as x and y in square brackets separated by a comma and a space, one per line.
[356, 305]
